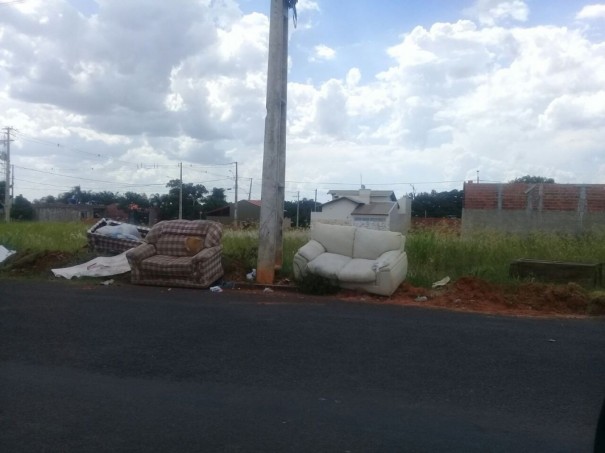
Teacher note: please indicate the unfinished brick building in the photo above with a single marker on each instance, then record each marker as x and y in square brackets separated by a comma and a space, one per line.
[523, 208]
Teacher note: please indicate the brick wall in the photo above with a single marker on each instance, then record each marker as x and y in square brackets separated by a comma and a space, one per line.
[541, 197]
[520, 208]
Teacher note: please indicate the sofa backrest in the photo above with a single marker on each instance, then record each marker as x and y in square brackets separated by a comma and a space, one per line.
[184, 237]
[370, 244]
[335, 238]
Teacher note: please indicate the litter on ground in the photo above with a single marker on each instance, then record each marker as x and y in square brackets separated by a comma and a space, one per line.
[101, 266]
[5, 253]
[444, 281]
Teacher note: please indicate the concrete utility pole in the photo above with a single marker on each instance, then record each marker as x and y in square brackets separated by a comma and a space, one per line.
[270, 250]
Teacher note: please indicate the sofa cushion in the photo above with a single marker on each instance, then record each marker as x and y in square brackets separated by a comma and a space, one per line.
[336, 239]
[370, 244]
[328, 265]
[358, 270]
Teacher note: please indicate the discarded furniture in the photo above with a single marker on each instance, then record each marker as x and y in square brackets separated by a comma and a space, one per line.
[586, 274]
[354, 258]
[111, 237]
[183, 253]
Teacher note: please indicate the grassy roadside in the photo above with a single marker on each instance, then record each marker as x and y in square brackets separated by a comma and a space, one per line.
[432, 253]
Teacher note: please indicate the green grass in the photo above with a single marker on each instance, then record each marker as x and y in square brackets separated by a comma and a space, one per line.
[432, 254]
[242, 247]
[41, 236]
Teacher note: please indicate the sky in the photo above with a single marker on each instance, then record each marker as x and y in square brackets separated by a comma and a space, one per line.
[408, 96]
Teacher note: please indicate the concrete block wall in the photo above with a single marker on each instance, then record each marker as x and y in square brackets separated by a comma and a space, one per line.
[519, 208]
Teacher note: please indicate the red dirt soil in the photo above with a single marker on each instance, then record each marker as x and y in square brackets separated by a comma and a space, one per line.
[465, 294]
[475, 295]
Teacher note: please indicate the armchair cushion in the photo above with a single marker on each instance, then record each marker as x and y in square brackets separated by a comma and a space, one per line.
[167, 266]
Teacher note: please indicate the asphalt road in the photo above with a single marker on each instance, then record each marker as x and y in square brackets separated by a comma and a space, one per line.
[87, 368]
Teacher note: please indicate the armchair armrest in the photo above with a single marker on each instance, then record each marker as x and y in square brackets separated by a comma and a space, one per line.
[387, 260]
[141, 252]
[207, 253]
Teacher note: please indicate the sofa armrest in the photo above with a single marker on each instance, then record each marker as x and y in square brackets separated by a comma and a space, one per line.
[206, 254]
[141, 252]
[387, 260]
[311, 250]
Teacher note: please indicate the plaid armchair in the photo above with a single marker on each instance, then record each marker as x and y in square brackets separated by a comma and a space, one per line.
[178, 253]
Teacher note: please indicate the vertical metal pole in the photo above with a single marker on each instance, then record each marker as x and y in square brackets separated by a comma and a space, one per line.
[297, 207]
[235, 205]
[181, 191]
[7, 197]
[274, 157]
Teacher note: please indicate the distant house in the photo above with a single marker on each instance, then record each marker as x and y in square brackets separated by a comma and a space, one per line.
[373, 209]
[523, 207]
[248, 212]
[62, 212]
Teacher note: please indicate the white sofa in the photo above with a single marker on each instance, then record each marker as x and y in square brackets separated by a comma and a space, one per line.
[354, 258]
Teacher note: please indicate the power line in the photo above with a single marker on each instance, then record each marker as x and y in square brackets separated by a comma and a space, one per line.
[83, 179]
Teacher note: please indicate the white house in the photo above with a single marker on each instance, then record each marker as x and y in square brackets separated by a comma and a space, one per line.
[374, 209]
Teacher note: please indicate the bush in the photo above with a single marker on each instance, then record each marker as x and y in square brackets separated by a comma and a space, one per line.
[317, 285]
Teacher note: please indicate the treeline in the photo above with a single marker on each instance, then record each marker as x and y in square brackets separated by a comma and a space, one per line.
[438, 204]
[197, 201]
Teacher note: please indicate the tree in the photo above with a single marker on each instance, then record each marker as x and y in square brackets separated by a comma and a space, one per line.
[304, 209]
[216, 199]
[438, 204]
[46, 199]
[169, 203]
[527, 179]
[75, 196]
[104, 198]
[22, 209]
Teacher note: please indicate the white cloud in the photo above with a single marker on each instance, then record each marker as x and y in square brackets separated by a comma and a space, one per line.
[307, 5]
[596, 11]
[491, 12]
[451, 98]
[460, 98]
[322, 52]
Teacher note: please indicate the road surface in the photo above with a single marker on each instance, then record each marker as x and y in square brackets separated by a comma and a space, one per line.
[92, 368]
